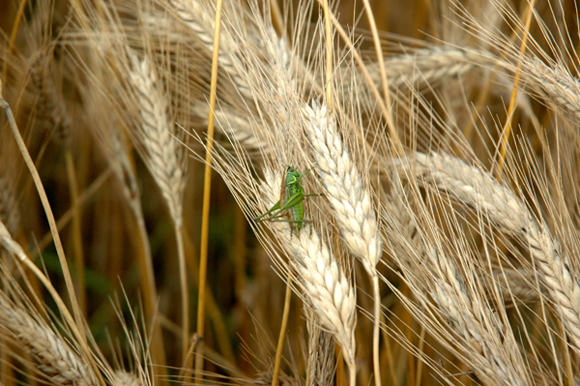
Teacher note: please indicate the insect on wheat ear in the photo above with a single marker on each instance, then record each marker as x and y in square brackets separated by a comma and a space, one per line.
[291, 200]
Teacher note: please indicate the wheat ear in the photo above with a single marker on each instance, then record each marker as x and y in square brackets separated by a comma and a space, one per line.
[479, 190]
[50, 100]
[558, 87]
[430, 65]
[343, 186]
[163, 153]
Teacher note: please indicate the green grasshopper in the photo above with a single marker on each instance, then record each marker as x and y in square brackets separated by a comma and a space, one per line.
[291, 198]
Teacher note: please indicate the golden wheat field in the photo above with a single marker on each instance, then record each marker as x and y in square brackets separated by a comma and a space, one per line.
[255, 192]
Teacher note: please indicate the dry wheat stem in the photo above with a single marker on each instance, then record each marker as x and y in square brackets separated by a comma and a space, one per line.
[14, 248]
[479, 190]
[78, 318]
[57, 360]
[324, 283]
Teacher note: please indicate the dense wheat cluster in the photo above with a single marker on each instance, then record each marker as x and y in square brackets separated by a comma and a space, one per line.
[425, 156]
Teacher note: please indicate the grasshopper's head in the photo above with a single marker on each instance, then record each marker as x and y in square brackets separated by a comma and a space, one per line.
[292, 176]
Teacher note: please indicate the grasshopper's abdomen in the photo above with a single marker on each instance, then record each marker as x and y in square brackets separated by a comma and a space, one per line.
[295, 189]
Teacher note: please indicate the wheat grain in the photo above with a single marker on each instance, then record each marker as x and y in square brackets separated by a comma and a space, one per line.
[516, 286]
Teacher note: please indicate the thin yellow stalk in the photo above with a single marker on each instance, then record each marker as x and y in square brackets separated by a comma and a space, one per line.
[216, 317]
[375, 278]
[407, 319]
[185, 335]
[352, 374]
[511, 108]
[277, 19]
[13, 34]
[329, 66]
[340, 377]
[77, 327]
[379, 53]
[420, 347]
[386, 109]
[376, 329]
[282, 335]
[206, 193]
[77, 238]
